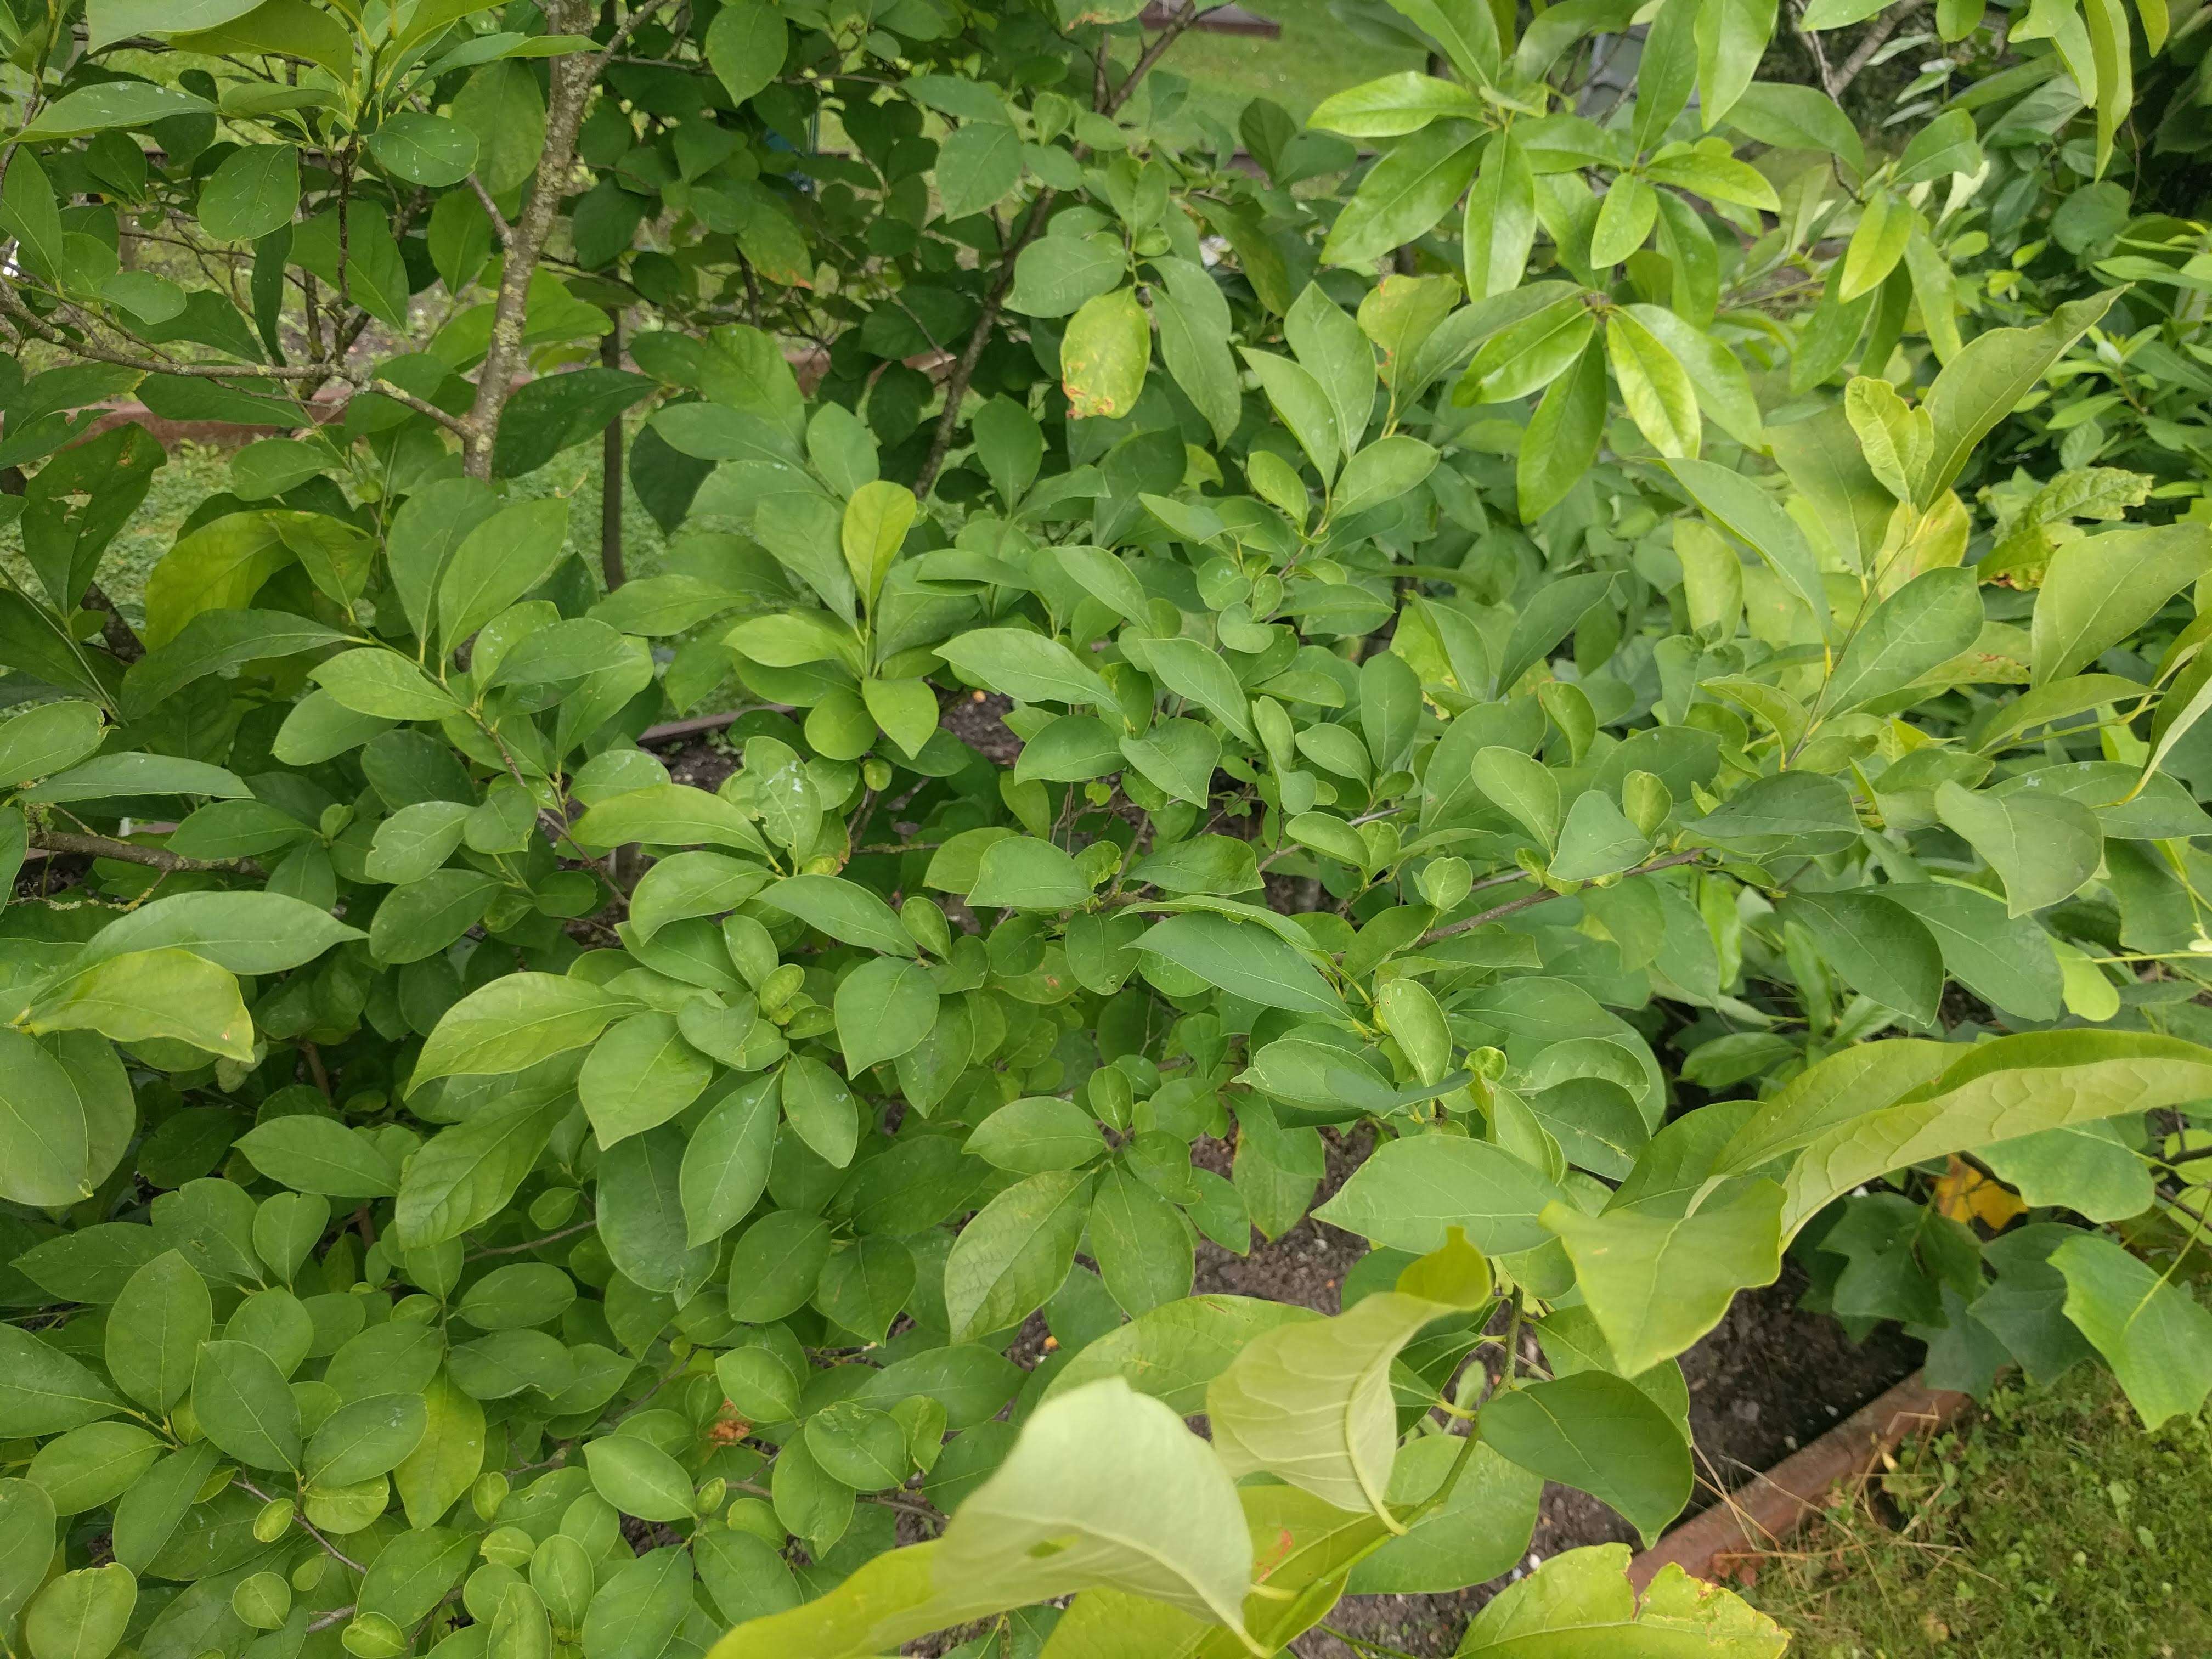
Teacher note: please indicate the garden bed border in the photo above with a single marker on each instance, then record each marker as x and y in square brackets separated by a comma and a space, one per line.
[1727, 1540]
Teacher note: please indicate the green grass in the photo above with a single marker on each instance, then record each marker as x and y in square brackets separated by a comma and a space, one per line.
[2050, 1527]
[1316, 57]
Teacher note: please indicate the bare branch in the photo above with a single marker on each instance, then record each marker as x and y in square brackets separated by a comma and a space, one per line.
[1870, 43]
[963, 371]
[124, 852]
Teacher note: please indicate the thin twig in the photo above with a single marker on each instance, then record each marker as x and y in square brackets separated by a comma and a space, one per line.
[300, 1520]
[1513, 907]
[585, 1225]
[963, 371]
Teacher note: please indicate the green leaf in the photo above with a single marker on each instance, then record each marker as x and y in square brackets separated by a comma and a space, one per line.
[2154, 1335]
[1739, 508]
[1022, 872]
[1036, 1133]
[463, 1177]
[1625, 219]
[667, 815]
[639, 1075]
[1880, 947]
[1790, 117]
[842, 909]
[1464, 28]
[1056, 275]
[1143, 1246]
[1917, 629]
[1103, 354]
[638, 1478]
[977, 166]
[1501, 219]
[155, 1328]
[1311, 1402]
[244, 1406]
[2005, 960]
[1986, 381]
[884, 1008]
[1879, 1110]
[445, 1462]
[1528, 353]
[1415, 1021]
[366, 1437]
[148, 1514]
[2092, 1169]
[2100, 589]
[430, 525]
[374, 681]
[66, 1115]
[1584, 1602]
[82, 1614]
[1480, 1530]
[821, 1109]
[744, 46]
[1302, 405]
[413, 1573]
[1411, 1191]
[514, 1022]
[1191, 670]
[1015, 1252]
[1405, 194]
[1244, 960]
[1104, 1487]
[1027, 666]
[864, 1449]
[1386, 470]
[1602, 1434]
[887, 1600]
[50, 738]
[1172, 1352]
[1886, 224]
[1523, 786]
[424, 149]
[144, 994]
[1657, 1283]
[29, 210]
[1393, 106]
[544, 416]
[641, 1214]
[725, 1162]
[119, 103]
[1597, 840]
[108, 776]
[484, 576]
[1563, 436]
[1796, 812]
[875, 525]
[43, 1391]
[2042, 847]
[213, 642]
[314, 1154]
[776, 1264]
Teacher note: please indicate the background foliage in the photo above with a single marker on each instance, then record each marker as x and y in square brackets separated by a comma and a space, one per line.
[1625, 637]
